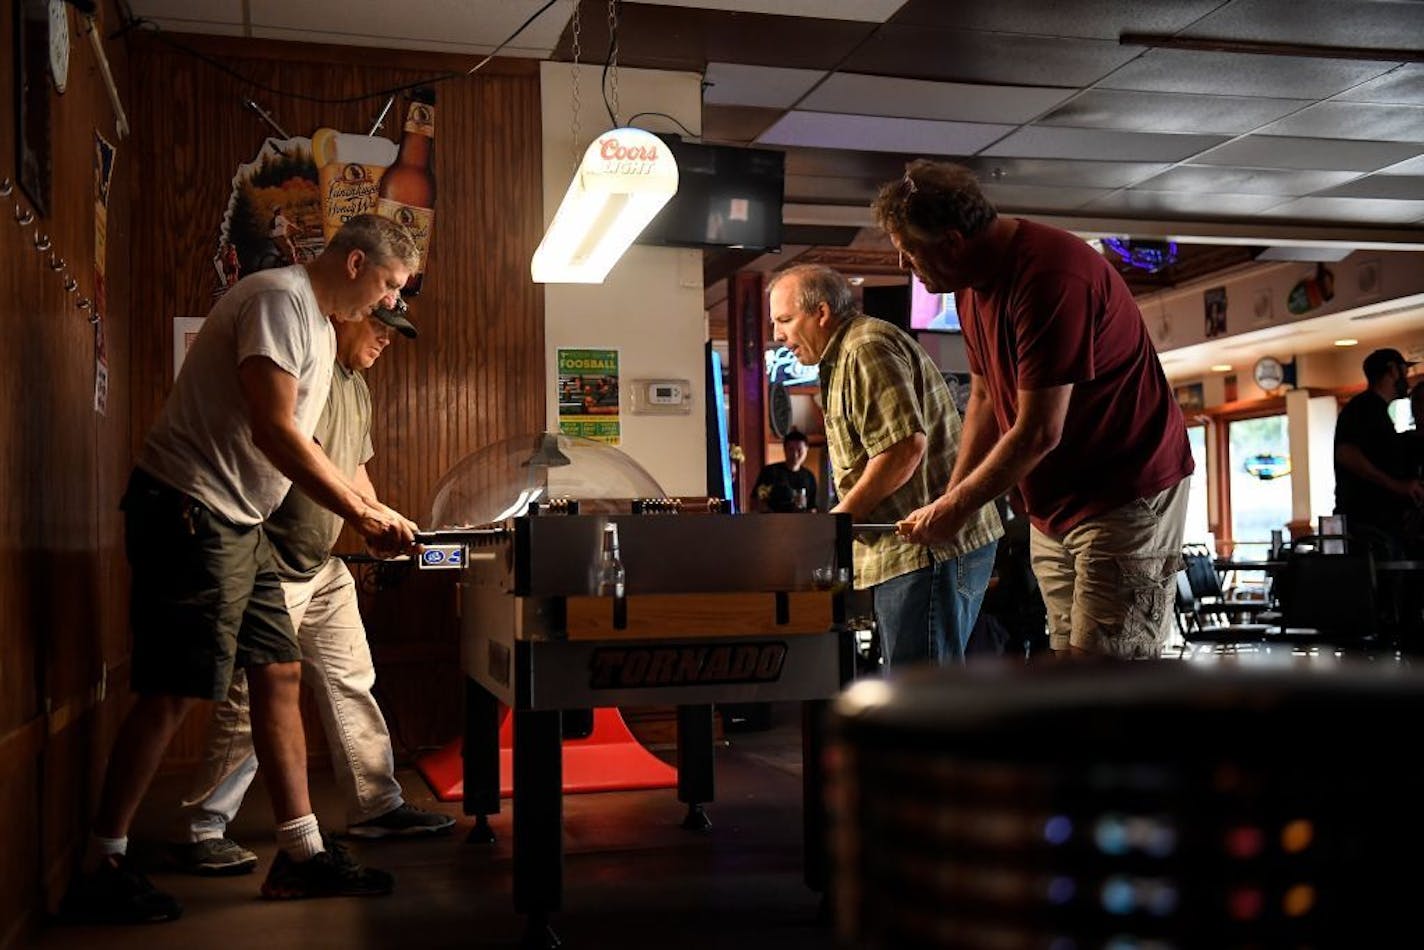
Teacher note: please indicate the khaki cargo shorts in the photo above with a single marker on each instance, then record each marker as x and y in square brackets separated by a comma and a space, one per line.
[1109, 584]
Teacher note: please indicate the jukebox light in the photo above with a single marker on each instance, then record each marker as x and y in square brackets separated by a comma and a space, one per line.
[623, 181]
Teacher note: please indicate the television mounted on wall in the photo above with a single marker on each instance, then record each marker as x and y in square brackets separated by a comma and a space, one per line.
[727, 196]
[932, 312]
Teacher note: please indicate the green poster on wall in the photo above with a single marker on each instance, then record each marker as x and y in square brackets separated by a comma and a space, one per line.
[588, 394]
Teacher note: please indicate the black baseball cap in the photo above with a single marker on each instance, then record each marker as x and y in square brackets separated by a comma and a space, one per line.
[1380, 360]
[396, 317]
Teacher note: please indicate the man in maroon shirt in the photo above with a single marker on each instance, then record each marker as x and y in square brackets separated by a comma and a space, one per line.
[1068, 403]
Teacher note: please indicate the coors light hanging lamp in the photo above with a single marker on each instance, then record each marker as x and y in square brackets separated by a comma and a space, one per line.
[623, 180]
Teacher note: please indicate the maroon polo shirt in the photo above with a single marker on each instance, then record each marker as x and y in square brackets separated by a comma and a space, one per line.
[1058, 313]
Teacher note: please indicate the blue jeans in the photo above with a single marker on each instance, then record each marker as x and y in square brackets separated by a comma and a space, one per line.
[927, 615]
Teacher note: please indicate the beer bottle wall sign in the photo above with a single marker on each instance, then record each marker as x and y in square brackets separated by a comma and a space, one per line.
[407, 189]
[350, 168]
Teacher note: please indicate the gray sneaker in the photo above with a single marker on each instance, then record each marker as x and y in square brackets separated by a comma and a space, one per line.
[214, 857]
[405, 820]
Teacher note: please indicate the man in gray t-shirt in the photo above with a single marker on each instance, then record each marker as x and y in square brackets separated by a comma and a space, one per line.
[206, 596]
[336, 659]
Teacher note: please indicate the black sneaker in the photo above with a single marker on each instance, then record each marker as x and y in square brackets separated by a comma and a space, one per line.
[405, 819]
[117, 893]
[213, 857]
[332, 873]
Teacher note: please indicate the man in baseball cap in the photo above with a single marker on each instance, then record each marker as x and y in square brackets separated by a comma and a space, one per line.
[1373, 484]
[396, 317]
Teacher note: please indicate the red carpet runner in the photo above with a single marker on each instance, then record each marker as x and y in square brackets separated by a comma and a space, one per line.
[609, 760]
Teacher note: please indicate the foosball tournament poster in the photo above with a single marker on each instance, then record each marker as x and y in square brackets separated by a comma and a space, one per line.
[588, 394]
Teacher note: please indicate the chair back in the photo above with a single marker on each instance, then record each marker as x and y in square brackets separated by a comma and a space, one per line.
[1332, 593]
[1201, 572]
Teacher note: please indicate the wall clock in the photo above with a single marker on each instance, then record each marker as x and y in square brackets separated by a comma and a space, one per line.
[1269, 373]
[59, 44]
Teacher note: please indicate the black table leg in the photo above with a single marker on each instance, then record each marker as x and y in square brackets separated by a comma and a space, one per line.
[694, 764]
[538, 821]
[480, 754]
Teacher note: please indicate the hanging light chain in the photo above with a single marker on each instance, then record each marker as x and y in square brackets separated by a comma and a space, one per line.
[613, 56]
[574, 127]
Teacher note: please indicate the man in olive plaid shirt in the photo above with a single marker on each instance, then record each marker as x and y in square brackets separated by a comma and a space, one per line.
[893, 435]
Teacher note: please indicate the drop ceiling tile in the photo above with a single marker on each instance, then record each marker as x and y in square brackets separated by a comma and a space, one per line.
[729, 84]
[881, 134]
[1180, 203]
[830, 190]
[195, 11]
[1354, 120]
[1222, 179]
[1269, 151]
[1413, 166]
[206, 27]
[1168, 112]
[858, 94]
[1041, 142]
[688, 38]
[741, 124]
[1401, 86]
[386, 41]
[1242, 74]
[431, 24]
[1100, 19]
[1025, 199]
[865, 11]
[998, 58]
[844, 163]
[1354, 23]
[1062, 172]
[1361, 210]
[1401, 187]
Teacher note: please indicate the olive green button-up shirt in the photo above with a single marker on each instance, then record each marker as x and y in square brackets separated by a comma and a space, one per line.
[879, 387]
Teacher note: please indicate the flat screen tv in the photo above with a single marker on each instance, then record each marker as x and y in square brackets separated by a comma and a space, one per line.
[727, 196]
[932, 311]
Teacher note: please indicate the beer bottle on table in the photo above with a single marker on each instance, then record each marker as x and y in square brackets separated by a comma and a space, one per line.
[407, 192]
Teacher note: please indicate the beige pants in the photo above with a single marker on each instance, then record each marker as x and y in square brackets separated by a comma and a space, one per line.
[1109, 584]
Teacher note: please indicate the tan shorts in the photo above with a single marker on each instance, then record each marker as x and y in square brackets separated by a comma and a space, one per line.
[1109, 583]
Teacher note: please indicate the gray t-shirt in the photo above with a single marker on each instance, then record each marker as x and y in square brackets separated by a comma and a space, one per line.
[303, 532]
[202, 441]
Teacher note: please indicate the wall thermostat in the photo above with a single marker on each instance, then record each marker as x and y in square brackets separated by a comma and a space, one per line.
[672, 396]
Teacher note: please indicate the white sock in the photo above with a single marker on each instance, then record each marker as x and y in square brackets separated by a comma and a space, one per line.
[100, 848]
[300, 838]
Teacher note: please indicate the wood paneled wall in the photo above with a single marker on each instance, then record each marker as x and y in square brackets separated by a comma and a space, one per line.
[63, 586]
[475, 375]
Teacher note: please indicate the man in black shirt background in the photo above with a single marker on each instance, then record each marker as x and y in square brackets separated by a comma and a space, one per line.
[1374, 486]
[788, 485]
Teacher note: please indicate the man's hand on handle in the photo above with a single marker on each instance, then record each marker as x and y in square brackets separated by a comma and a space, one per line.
[386, 531]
